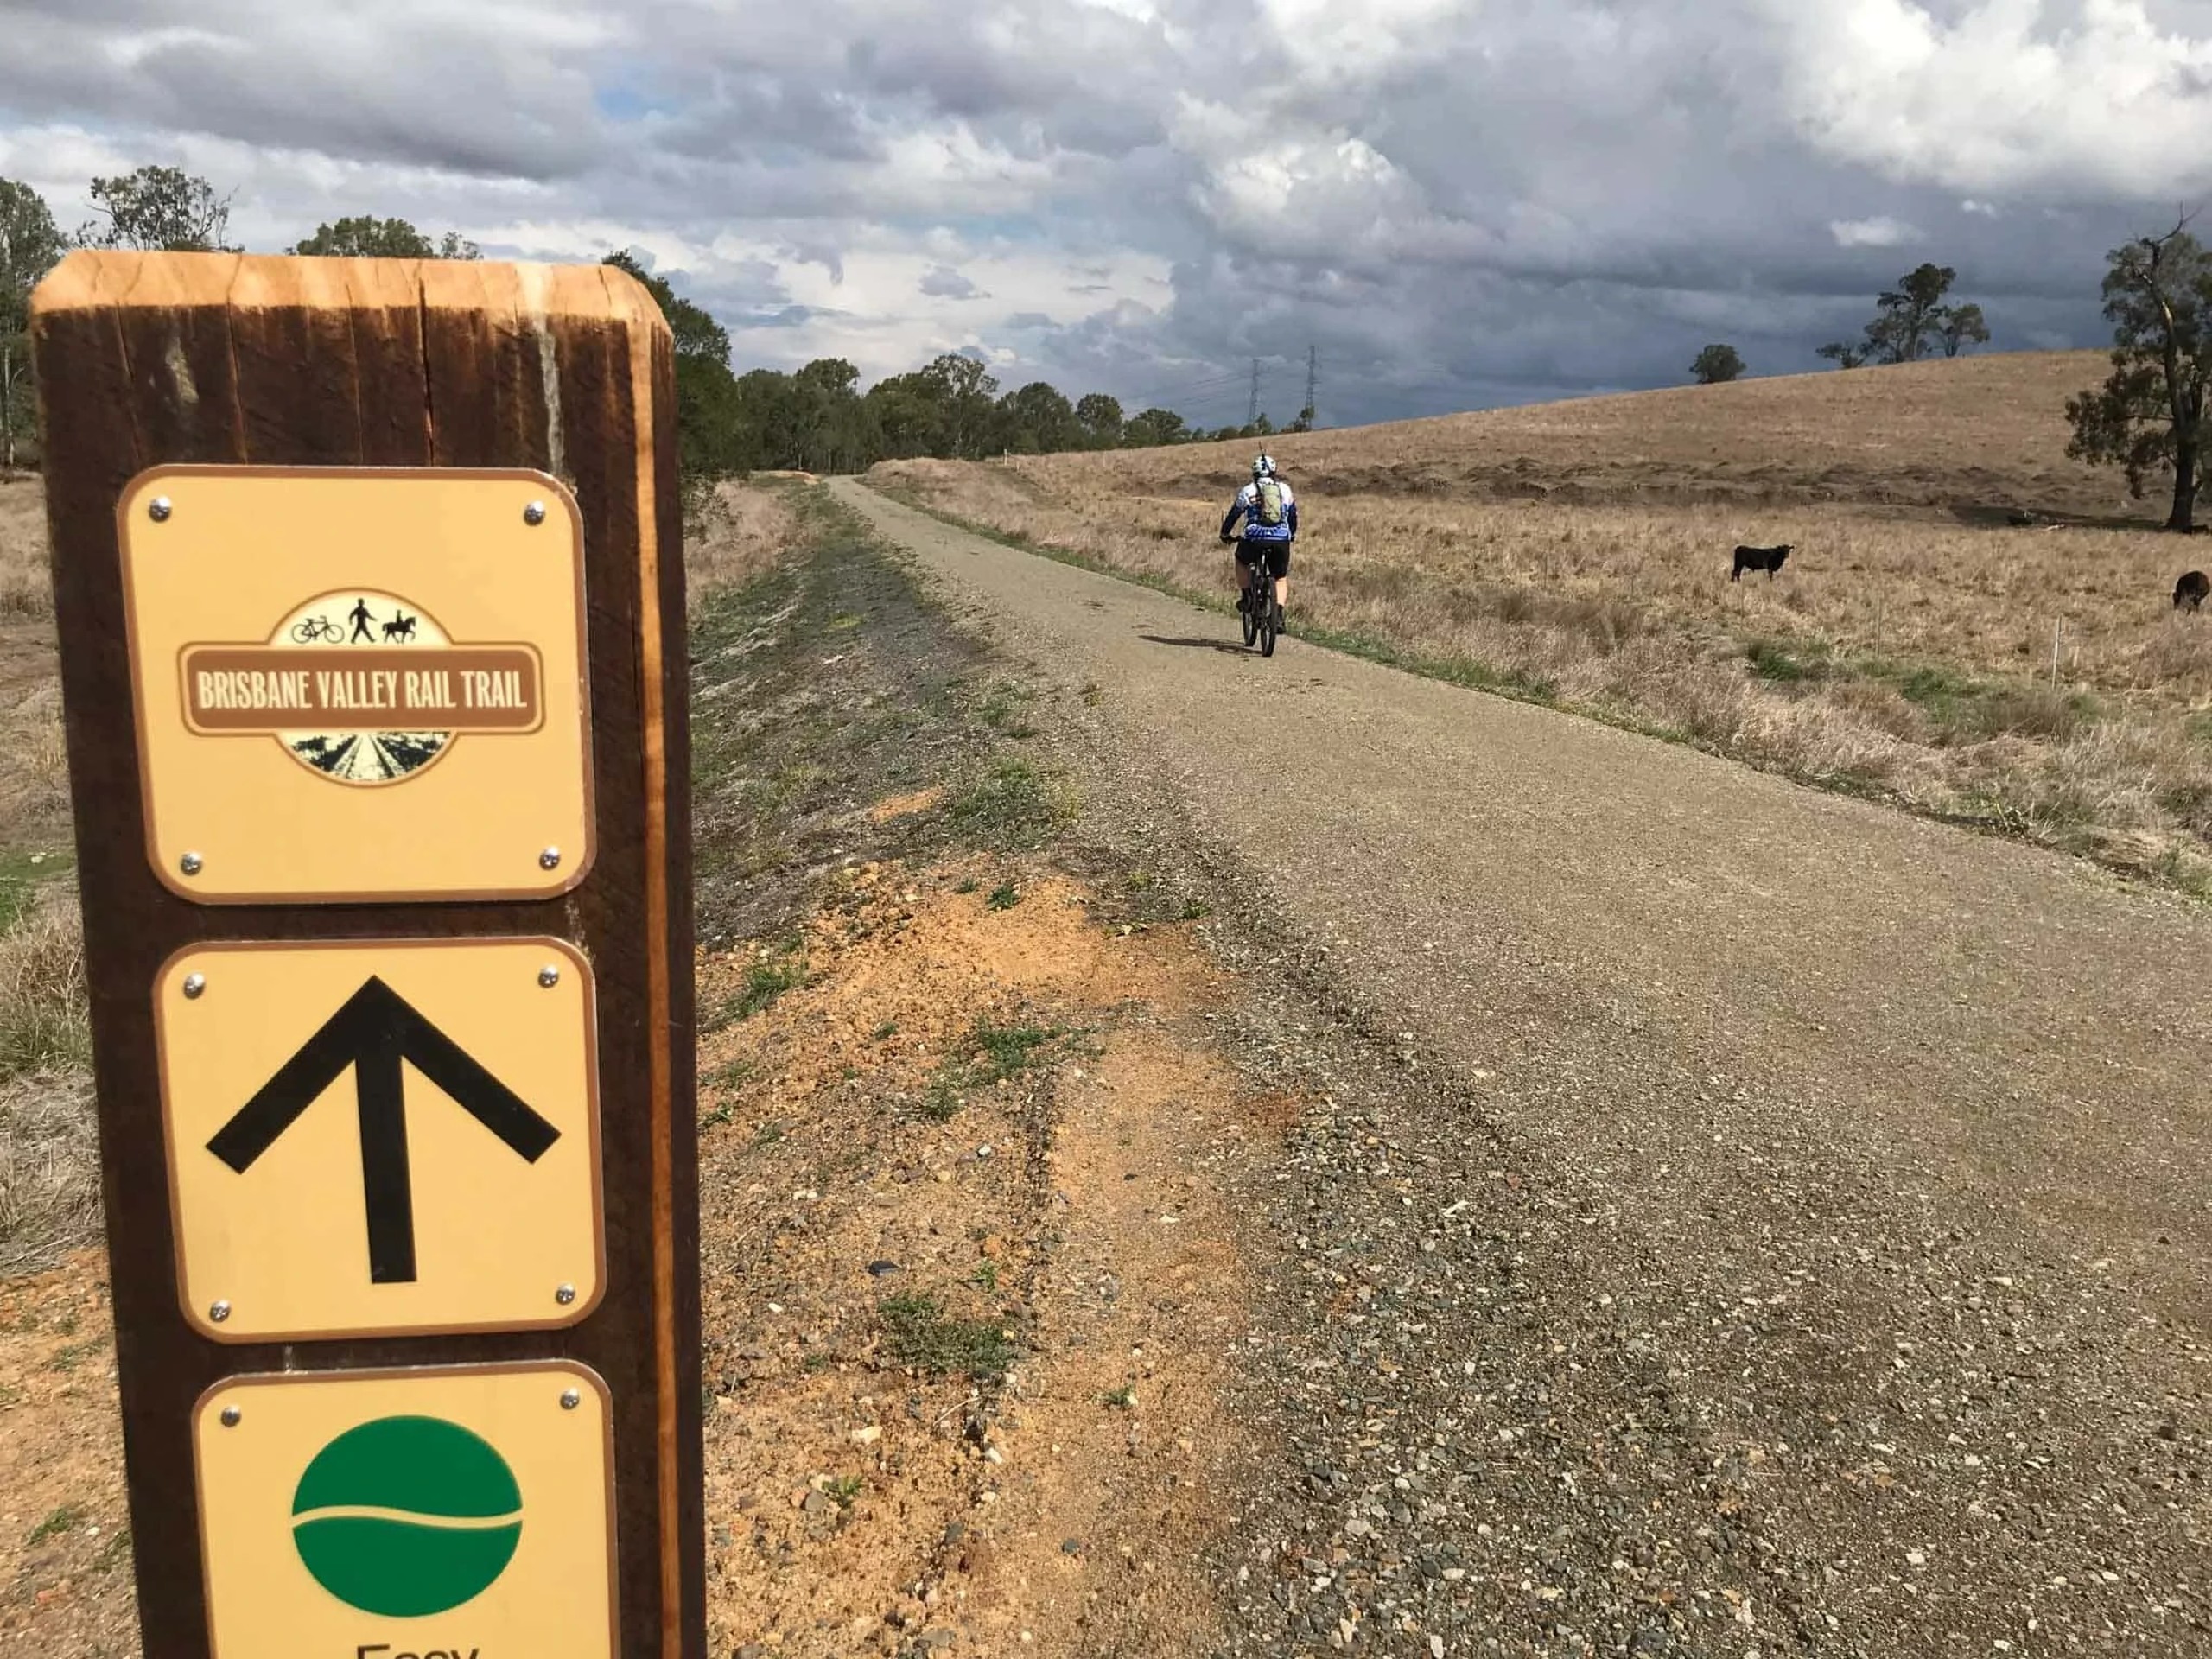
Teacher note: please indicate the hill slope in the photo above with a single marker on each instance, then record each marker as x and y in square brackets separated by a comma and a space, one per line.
[1979, 432]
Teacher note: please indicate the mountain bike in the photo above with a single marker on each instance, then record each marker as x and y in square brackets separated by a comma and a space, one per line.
[1261, 613]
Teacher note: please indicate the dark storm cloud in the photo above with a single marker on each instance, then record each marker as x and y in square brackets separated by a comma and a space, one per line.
[1455, 202]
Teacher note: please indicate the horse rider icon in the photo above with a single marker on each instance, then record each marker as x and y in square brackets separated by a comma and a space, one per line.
[360, 617]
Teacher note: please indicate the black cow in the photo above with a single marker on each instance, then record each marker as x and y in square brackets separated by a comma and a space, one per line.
[2189, 591]
[1768, 559]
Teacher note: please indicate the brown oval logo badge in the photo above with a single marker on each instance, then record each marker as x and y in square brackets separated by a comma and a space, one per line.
[362, 687]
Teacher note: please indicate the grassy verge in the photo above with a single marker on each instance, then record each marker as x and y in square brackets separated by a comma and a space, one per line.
[2013, 756]
[823, 687]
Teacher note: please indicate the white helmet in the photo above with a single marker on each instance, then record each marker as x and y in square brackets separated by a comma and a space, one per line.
[1263, 467]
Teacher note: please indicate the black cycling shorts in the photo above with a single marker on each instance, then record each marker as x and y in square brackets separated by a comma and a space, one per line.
[1277, 555]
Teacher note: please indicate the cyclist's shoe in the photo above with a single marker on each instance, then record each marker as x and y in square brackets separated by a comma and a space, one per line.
[1243, 603]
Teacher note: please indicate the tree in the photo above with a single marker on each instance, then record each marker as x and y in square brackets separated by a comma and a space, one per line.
[823, 408]
[1910, 312]
[1911, 316]
[969, 397]
[1962, 326]
[697, 335]
[368, 238]
[2149, 415]
[1717, 363]
[1101, 418]
[1038, 421]
[161, 208]
[909, 415]
[29, 246]
[1153, 428]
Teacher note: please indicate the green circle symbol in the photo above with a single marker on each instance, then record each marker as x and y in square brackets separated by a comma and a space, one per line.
[407, 1516]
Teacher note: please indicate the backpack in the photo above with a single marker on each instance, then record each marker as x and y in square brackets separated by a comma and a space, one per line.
[1268, 502]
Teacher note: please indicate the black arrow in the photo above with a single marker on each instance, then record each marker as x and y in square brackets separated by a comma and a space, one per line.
[373, 1032]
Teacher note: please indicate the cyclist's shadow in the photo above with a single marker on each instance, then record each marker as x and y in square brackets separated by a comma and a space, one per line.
[1228, 646]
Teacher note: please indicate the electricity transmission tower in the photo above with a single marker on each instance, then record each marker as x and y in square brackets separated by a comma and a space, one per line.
[1309, 415]
[1252, 411]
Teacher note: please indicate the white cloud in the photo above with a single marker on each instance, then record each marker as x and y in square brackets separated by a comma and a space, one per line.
[1880, 231]
[2027, 95]
[1986, 209]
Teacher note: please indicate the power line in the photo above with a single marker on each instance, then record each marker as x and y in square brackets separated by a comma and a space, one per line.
[1232, 380]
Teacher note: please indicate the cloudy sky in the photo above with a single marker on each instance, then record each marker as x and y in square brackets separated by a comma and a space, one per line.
[1457, 202]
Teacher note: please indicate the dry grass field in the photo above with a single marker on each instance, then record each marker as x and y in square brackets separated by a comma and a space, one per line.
[1578, 553]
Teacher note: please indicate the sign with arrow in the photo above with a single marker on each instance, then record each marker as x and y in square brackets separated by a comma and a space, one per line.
[387, 1138]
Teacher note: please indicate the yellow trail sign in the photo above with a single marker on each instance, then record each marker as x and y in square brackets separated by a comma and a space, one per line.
[359, 683]
[385, 1138]
[444, 1509]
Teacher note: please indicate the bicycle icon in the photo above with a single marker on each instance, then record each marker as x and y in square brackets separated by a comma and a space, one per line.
[314, 630]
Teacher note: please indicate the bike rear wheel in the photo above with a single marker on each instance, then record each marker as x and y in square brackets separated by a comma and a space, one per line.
[1249, 615]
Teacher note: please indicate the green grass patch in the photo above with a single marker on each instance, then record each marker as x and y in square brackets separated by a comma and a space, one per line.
[1005, 896]
[919, 1333]
[765, 981]
[1002, 1050]
[1012, 805]
[1002, 709]
[731, 1074]
[991, 1053]
[62, 1520]
[1781, 663]
[22, 873]
[1962, 708]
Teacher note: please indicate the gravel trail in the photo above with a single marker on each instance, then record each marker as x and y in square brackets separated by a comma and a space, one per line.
[1740, 1220]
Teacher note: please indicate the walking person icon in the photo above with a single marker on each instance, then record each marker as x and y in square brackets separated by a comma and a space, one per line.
[360, 619]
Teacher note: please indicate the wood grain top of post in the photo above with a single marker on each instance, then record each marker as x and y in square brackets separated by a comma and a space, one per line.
[115, 279]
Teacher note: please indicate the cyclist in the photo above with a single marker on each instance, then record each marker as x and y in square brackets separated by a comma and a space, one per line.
[1270, 516]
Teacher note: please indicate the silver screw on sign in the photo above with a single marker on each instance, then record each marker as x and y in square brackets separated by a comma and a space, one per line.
[549, 975]
[550, 859]
[566, 1294]
[158, 510]
[221, 1311]
[534, 513]
[194, 985]
[231, 1415]
[570, 1399]
[190, 864]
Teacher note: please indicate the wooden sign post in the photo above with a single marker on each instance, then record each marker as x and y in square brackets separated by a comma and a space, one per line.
[369, 583]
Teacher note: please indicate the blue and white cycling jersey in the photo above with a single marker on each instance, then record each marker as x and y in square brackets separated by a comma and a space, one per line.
[1247, 507]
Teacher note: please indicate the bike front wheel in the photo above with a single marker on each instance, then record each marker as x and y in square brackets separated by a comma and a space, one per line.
[1251, 619]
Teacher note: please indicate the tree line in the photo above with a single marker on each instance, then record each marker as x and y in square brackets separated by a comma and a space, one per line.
[814, 419]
